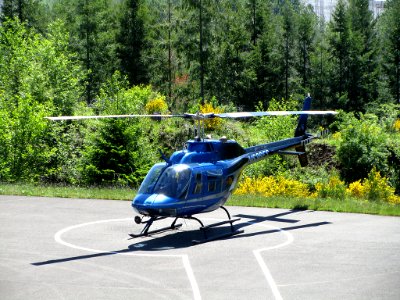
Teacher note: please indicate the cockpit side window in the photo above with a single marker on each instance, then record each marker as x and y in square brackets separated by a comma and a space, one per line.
[151, 178]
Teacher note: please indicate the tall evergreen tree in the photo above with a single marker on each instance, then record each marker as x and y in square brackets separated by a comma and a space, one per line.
[363, 63]
[254, 22]
[340, 48]
[226, 73]
[93, 27]
[160, 54]
[131, 42]
[288, 45]
[194, 43]
[266, 60]
[35, 13]
[390, 27]
[307, 25]
[321, 65]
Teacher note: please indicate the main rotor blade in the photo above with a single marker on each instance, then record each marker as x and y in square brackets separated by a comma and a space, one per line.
[203, 116]
[274, 113]
[62, 118]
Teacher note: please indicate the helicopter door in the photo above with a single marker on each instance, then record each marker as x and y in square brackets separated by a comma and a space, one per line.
[195, 194]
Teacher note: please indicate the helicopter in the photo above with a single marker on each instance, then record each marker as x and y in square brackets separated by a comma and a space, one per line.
[201, 177]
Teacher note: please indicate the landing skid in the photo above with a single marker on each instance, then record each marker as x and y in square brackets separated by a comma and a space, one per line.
[146, 232]
[220, 236]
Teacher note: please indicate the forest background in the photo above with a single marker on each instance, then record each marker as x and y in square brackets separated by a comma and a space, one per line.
[134, 56]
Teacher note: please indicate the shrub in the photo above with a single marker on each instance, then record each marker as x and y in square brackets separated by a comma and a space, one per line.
[270, 186]
[157, 105]
[363, 145]
[334, 188]
[373, 188]
[377, 187]
[356, 189]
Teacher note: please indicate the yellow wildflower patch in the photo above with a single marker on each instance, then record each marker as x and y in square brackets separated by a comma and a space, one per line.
[375, 187]
[356, 189]
[157, 105]
[271, 186]
[396, 125]
[211, 124]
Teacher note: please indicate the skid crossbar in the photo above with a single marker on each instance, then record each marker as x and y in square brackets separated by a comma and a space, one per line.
[148, 223]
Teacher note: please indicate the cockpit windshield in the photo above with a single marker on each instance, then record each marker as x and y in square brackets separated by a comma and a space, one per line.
[170, 181]
[174, 181]
[150, 180]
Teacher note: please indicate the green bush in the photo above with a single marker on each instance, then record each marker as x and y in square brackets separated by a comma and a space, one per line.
[363, 145]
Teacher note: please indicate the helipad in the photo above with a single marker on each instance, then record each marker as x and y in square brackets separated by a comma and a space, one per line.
[79, 249]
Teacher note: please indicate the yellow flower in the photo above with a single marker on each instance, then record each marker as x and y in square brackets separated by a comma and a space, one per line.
[377, 187]
[157, 105]
[396, 125]
[211, 123]
[356, 189]
[271, 186]
[393, 199]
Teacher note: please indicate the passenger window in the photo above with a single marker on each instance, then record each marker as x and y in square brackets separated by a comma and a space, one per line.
[199, 184]
[214, 183]
[212, 186]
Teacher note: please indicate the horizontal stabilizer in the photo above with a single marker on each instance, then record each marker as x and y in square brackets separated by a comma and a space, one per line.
[291, 152]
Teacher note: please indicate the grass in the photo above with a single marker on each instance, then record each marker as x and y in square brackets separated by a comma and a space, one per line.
[27, 189]
[350, 205]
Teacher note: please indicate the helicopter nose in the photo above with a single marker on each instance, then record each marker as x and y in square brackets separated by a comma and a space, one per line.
[154, 204]
[142, 202]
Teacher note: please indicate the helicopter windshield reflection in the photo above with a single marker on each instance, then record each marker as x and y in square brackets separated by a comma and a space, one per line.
[174, 181]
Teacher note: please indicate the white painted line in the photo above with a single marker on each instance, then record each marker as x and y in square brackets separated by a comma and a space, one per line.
[192, 279]
[185, 258]
[268, 276]
[261, 262]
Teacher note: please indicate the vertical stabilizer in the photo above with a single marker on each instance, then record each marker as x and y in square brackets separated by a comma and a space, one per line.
[302, 125]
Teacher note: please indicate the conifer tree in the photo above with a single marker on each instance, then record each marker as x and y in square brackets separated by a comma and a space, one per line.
[363, 63]
[339, 38]
[390, 31]
[131, 42]
[307, 25]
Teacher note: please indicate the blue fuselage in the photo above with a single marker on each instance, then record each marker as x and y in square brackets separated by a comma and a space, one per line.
[197, 179]
[200, 178]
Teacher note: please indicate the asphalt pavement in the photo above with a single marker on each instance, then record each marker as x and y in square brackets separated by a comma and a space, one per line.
[53, 248]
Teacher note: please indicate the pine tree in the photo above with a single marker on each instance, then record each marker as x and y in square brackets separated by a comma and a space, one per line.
[93, 27]
[390, 27]
[306, 35]
[363, 64]
[131, 42]
[160, 55]
[288, 45]
[35, 13]
[321, 65]
[266, 59]
[339, 38]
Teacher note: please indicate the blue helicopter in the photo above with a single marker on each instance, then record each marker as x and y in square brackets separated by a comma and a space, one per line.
[201, 177]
